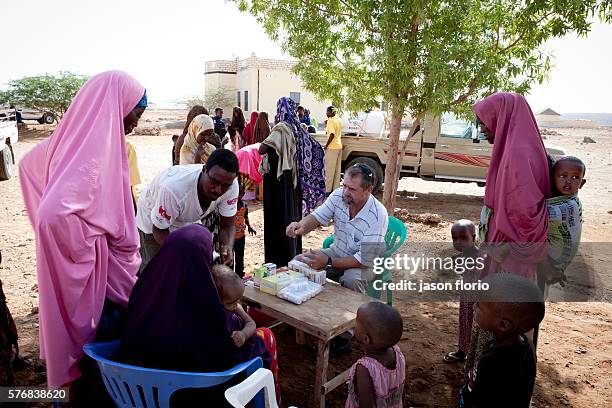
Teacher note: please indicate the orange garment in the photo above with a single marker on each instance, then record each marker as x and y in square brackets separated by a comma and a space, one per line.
[240, 222]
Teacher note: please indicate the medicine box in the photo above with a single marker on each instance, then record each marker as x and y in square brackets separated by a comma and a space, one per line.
[274, 283]
[259, 273]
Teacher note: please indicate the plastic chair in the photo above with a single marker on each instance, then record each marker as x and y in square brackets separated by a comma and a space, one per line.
[131, 386]
[240, 394]
[394, 238]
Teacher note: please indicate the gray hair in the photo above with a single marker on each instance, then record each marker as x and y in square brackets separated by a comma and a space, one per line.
[363, 170]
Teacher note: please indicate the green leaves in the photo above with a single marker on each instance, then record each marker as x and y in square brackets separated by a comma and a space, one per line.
[420, 55]
[50, 93]
[434, 55]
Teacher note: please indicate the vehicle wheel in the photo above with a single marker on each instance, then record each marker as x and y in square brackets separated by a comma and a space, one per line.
[481, 184]
[48, 118]
[6, 163]
[376, 169]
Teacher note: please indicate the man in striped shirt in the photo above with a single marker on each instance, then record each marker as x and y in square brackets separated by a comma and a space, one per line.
[360, 225]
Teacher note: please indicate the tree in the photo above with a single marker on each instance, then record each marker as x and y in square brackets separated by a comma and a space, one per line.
[422, 56]
[48, 93]
[220, 97]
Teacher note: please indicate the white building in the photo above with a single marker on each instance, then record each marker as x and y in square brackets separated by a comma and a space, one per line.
[257, 83]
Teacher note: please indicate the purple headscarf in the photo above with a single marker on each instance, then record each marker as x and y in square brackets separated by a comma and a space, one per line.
[175, 319]
[309, 157]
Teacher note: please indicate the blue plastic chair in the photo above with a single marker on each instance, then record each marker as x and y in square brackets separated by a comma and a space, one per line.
[394, 238]
[131, 386]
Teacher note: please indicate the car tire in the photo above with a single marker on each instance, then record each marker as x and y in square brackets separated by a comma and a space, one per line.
[376, 169]
[6, 163]
[48, 118]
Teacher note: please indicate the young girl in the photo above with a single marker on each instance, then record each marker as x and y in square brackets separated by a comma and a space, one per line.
[251, 341]
[464, 241]
[242, 223]
[377, 380]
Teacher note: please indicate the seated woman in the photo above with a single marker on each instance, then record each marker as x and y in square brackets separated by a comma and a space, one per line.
[176, 319]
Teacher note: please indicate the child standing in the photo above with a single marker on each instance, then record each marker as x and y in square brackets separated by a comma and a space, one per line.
[377, 380]
[505, 374]
[464, 241]
[564, 215]
[242, 223]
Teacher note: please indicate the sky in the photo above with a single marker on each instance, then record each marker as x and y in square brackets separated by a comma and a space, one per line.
[164, 44]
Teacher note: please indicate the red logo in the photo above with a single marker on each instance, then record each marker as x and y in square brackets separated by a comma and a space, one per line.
[232, 202]
[163, 213]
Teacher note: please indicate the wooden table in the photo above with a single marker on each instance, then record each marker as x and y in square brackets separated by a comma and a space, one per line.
[325, 316]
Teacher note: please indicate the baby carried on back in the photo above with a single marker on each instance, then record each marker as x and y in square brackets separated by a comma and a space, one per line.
[565, 212]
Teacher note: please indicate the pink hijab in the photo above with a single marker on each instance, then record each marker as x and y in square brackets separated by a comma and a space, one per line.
[76, 188]
[518, 182]
[249, 160]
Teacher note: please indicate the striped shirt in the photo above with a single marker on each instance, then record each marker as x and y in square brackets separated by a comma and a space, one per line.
[358, 236]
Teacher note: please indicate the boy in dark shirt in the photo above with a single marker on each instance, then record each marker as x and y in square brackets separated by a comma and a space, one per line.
[505, 374]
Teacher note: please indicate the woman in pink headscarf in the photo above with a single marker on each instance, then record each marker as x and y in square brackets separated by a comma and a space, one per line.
[514, 219]
[518, 183]
[76, 187]
[249, 160]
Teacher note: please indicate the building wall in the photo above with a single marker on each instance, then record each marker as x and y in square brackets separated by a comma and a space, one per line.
[275, 80]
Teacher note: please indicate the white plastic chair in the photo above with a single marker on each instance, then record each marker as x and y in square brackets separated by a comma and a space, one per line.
[239, 395]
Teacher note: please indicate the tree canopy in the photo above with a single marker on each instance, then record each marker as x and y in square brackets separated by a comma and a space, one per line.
[421, 56]
[220, 97]
[49, 93]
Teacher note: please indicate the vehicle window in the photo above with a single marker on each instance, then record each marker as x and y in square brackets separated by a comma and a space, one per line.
[452, 126]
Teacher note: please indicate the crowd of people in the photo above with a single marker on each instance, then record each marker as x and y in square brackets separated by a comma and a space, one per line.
[163, 270]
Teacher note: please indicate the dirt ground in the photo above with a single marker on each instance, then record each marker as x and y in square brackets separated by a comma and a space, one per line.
[575, 351]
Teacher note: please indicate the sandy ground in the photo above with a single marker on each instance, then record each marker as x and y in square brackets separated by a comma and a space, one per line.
[574, 356]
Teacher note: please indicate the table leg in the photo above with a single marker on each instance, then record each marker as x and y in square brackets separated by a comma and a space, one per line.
[321, 373]
[300, 337]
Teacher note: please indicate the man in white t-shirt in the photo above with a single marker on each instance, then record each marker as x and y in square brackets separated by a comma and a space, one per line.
[183, 195]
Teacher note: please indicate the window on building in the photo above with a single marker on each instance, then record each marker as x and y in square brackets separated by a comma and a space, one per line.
[238, 98]
[246, 100]
[295, 96]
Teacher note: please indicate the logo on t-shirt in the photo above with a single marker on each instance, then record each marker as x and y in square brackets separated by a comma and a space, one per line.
[163, 213]
[232, 201]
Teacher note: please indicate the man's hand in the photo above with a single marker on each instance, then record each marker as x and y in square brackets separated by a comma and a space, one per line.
[252, 231]
[239, 338]
[317, 260]
[227, 256]
[295, 229]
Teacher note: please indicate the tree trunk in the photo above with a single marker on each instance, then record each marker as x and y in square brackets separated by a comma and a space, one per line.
[400, 158]
[391, 170]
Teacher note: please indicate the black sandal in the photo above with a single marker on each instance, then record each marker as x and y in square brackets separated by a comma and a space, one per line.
[455, 357]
